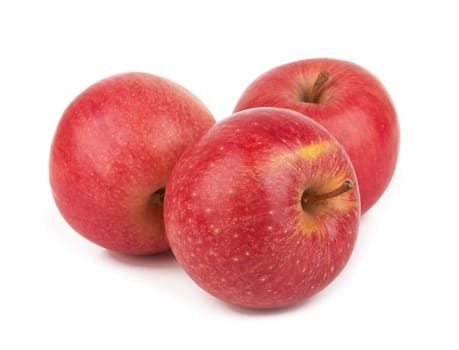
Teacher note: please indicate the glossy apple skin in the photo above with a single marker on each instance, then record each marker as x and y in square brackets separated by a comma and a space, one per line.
[354, 106]
[233, 209]
[114, 146]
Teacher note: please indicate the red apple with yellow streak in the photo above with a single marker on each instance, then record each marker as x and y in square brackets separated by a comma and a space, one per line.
[112, 154]
[350, 102]
[263, 210]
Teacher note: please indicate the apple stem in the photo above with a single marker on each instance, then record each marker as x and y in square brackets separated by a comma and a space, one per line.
[158, 197]
[344, 187]
[320, 81]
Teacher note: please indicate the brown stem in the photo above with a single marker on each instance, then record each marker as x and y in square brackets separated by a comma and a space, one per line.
[320, 81]
[344, 187]
[157, 197]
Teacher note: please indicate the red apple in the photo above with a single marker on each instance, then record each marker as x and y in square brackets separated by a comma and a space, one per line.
[113, 152]
[263, 210]
[350, 102]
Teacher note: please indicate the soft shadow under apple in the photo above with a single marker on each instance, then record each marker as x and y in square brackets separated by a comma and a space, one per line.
[270, 312]
[164, 260]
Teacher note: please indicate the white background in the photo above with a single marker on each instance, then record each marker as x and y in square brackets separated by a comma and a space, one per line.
[58, 291]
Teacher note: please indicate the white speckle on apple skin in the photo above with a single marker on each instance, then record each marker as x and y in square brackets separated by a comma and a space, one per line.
[212, 253]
